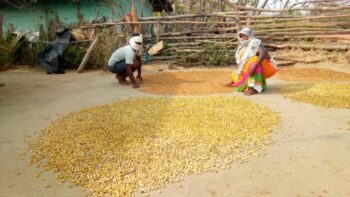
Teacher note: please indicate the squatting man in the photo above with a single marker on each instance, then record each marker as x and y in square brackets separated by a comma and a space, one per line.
[125, 61]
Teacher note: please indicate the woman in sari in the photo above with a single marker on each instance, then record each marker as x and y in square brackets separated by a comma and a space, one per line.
[254, 65]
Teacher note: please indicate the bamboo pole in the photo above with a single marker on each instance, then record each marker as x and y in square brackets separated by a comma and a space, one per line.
[299, 24]
[304, 46]
[233, 35]
[290, 26]
[304, 18]
[180, 44]
[209, 22]
[303, 33]
[333, 37]
[321, 37]
[156, 22]
[214, 14]
[301, 29]
[295, 9]
[199, 37]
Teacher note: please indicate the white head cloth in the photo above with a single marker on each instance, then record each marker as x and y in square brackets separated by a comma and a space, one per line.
[134, 40]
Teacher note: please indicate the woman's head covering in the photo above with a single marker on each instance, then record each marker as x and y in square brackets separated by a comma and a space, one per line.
[246, 31]
[135, 42]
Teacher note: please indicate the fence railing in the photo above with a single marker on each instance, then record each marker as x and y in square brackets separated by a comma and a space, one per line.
[325, 28]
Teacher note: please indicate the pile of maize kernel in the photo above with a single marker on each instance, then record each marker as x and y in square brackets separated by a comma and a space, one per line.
[143, 144]
[330, 95]
[188, 83]
[311, 75]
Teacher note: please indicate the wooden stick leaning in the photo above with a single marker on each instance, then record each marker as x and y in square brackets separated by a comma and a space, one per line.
[87, 55]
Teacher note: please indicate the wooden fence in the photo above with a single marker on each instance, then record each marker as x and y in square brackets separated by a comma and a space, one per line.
[325, 28]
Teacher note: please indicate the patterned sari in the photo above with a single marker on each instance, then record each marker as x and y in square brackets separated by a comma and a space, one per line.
[245, 80]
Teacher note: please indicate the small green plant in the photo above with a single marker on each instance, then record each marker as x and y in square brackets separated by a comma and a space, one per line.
[8, 50]
[310, 39]
[74, 53]
[216, 54]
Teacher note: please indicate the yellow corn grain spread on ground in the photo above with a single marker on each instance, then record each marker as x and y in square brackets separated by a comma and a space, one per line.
[188, 83]
[143, 144]
[311, 75]
[324, 94]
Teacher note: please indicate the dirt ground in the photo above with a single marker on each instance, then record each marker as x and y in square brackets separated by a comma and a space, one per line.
[310, 156]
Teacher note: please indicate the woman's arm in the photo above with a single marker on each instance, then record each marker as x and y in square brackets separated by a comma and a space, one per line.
[262, 54]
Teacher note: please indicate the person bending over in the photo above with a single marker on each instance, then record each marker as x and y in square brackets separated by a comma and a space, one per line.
[254, 65]
[125, 61]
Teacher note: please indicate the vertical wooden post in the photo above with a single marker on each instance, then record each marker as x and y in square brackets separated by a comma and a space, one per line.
[142, 5]
[174, 9]
[238, 22]
[157, 31]
[221, 7]
[136, 27]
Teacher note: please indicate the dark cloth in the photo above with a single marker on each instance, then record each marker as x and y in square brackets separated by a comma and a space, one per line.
[118, 68]
[49, 58]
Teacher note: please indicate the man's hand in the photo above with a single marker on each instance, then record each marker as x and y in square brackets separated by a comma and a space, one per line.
[135, 86]
[139, 78]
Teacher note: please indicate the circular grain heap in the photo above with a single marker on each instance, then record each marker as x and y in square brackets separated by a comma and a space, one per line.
[311, 75]
[324, 94]
[187, 83]
[145, 143]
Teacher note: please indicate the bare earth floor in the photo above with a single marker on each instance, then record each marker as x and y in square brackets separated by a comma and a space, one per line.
[311, 155]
